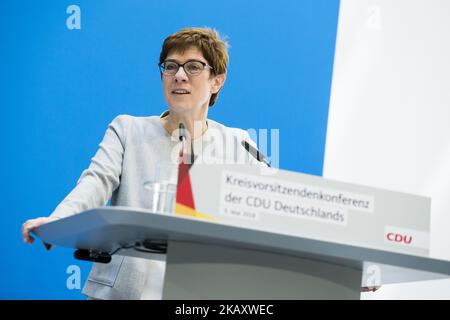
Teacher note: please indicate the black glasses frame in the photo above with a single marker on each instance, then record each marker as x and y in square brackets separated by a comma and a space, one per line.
[179, 65]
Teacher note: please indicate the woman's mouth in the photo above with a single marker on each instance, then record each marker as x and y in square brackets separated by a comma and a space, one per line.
[180, 91]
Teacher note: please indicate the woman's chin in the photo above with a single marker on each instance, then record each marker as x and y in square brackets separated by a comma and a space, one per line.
[180, 107]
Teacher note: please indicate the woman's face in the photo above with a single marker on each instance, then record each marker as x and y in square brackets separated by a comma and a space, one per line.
[189, 93]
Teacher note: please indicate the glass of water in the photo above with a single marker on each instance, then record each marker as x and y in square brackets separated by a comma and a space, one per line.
[161, 192]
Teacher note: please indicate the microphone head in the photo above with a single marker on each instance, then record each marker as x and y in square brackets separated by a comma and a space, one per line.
[253, 151]
[181, 132]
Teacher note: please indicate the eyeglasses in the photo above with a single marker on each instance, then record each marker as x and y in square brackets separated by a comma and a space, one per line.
[191, 67]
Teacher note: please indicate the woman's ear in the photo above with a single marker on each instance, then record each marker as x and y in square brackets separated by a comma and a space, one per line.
[218, 82]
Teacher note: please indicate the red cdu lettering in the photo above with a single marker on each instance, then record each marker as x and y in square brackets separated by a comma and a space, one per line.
[399, 238]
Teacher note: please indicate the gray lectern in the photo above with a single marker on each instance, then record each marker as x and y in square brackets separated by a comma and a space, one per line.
[217, 260]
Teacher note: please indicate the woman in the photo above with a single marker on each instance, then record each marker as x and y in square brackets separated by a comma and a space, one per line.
[193, 64]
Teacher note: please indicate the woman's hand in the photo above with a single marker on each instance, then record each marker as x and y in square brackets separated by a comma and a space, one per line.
[32, 224]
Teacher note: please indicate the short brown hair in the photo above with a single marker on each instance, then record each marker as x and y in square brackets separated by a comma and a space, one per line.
[207, 40]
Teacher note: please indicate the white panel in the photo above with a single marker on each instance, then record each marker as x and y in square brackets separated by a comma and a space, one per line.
[389, 112]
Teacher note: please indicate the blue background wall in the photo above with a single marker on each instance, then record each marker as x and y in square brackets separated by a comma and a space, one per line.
[60, 88]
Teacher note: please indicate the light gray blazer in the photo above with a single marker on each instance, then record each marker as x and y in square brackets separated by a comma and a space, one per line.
[125, 159]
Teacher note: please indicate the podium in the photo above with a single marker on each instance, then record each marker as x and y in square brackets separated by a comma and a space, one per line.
[240, 252]
[207, 260]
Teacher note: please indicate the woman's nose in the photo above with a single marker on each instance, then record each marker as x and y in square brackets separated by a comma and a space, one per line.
[181, 75]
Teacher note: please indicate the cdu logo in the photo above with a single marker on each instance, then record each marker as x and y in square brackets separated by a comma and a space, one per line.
[399, 238]
[407, 237]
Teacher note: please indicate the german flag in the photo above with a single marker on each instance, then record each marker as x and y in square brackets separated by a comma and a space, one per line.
[185, 204]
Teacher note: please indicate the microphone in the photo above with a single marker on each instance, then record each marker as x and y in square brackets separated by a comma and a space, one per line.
[181, 132]
[255, 152]
[182, 137]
